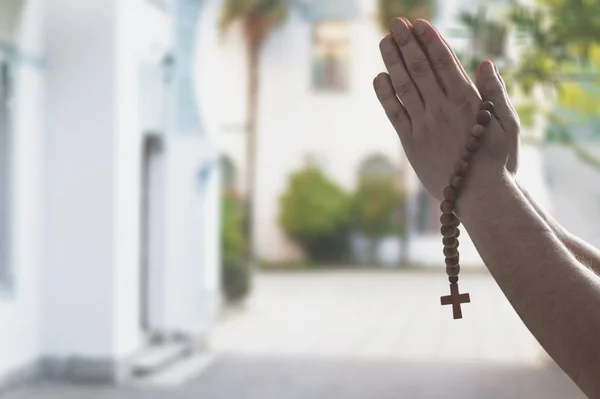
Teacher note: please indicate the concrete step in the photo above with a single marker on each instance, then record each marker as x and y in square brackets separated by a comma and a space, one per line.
[158, 357]
[178, 373]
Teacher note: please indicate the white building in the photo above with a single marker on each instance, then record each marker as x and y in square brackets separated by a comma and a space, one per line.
[317, 99]
[108, 186]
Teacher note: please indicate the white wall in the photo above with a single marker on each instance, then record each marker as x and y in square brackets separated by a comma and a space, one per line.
[79, 267]
[19, 310]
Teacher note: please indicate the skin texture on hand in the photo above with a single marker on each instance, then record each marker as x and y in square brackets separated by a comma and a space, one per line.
[432, 105]
[433, 123]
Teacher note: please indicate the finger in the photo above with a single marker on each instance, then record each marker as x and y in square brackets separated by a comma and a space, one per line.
[460, 65]
[441, 59]
[391, 105]
[403, 84]
[416, 61]
[491, 88]
[409, 24]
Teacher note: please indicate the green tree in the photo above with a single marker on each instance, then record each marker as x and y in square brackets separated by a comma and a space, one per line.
[377, 211]
[314, 212]
[411, 9]
[258, 19]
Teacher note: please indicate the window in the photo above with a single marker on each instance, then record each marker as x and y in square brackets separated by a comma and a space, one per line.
[330, 56]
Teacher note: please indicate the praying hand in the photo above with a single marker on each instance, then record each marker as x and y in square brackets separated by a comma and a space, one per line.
[469, 161]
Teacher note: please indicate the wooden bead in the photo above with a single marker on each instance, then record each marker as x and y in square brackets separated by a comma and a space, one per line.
[465, 155]
[456, 222]
[447, 206]
[453, 271]
[457, 233]
[478, 131]
[473, 144]
[449, 242]
[453, 261]
[450, 252]
[453, 279]
[450, 193]
[488, 106]
[456, 181]
[448, 231]
[461, 167]
[447, 219]
[484, 117]
[457, 242]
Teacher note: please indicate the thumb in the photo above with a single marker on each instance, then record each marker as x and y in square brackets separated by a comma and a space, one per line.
[491, 87]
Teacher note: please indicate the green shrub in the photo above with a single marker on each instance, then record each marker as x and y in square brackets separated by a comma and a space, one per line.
[236, 280]
[314, 212]
[235, 272]
[232, 235]
[377, 208]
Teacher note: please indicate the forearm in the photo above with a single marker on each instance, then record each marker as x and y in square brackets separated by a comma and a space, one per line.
[584, 252]
[555, 296]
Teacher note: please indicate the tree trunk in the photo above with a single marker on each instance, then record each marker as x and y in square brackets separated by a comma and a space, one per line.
[251, 139]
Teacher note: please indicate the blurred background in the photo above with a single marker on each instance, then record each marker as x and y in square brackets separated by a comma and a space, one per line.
[203, 198]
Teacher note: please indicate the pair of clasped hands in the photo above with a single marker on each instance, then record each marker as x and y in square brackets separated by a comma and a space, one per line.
[432, 104]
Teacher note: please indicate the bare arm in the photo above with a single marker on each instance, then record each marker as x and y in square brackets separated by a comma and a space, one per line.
[491, 85]
[584, 252]
[432, 105]
[556, 296]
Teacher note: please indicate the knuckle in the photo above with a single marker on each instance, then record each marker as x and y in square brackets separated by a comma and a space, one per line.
[437, 114]
[427, 36]
[418, 66]
[443, 61]
[403, 88]
[395, 116]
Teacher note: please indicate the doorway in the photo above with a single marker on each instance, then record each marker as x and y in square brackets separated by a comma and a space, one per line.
[152, 228]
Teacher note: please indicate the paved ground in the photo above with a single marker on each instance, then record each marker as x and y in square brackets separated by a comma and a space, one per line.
[375, 335]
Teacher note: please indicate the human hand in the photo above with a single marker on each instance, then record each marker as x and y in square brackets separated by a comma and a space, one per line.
[492, 88]
[432, 104]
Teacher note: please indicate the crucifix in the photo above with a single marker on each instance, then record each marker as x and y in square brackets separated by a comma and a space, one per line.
[449, 220]
[455, 299]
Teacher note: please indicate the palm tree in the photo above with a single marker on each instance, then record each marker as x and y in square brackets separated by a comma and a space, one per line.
[258, 18]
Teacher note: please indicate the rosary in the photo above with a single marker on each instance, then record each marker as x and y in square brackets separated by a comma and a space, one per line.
[449, 220]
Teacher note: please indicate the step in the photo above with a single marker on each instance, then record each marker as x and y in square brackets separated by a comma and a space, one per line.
[158, 357]
[178, 373]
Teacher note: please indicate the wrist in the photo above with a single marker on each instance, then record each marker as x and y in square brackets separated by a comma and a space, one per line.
[482, 188]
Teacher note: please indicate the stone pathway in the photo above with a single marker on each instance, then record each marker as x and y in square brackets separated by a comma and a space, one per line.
[367, 335]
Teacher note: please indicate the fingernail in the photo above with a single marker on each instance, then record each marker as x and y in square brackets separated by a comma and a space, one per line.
[398, 25]
[419, 26]
[407, 22]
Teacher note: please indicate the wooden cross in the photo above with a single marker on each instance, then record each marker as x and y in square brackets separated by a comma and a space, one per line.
[455, 299]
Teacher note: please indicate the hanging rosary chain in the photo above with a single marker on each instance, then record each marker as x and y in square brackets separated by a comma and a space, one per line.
[450, 222]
